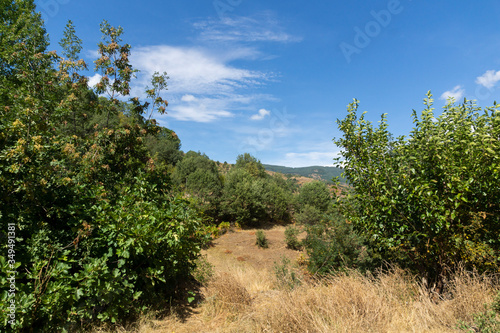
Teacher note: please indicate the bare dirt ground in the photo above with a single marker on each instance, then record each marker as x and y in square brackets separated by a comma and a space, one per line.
[239, 245]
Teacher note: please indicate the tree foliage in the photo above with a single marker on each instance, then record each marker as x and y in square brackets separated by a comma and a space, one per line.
[98, 235]
[315, 194]
[334, 245]
[252, 198]
[251, 165]
[431, 200]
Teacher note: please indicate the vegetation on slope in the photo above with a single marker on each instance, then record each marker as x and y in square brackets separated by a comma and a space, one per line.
[324, 173]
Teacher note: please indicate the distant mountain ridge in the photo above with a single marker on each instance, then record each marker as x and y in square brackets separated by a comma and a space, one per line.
[317, 172]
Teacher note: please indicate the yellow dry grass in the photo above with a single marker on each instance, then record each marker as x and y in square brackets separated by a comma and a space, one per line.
[392, 302]
[244, 298]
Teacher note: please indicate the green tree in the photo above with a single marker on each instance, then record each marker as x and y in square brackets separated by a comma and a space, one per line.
[164, 146]
[252, 200]
[71, 44]
[242, 199]
[334, 245]
[96, 239]
[114, 66]
[250, 164]
[315, 194]
[199, 175]
[309, 215]
[22, 36]
[81, 101]
[429, 201]
[278, 196]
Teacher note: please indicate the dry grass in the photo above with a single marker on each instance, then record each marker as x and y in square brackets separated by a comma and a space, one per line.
[246, 297]
[391, 302]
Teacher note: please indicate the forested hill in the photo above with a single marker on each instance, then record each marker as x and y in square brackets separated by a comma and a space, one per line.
[317, 172]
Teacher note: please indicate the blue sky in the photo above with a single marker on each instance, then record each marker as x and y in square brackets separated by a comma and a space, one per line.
[272, 77]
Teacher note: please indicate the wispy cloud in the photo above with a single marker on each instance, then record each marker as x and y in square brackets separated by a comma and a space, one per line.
[261, 114]
[197, 72]
[309, 158]
[205, 84]
[194, 70]
[310, 153]
[200, 113]
[488, 79]
[260, 28]
[457, 93]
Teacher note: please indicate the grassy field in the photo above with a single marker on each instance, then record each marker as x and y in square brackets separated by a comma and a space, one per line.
[245, 295]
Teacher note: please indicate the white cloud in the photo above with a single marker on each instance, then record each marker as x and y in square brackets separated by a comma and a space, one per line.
[260, 28]
[308, 153]
[488, 79]
[261, 114]
[193, 70]
[309, 159]
[188, 98]
[457, 93]
[202, 86]
[200, 113]
[94, 79]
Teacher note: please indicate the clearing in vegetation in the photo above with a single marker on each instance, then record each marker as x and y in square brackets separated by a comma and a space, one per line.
[245, 295]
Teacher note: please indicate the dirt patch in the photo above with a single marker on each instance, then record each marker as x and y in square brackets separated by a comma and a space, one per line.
[239, 245]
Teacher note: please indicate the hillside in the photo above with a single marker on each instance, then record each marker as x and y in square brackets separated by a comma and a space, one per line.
[317, 172]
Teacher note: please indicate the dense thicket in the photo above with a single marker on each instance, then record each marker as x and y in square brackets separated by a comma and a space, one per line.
[94, 233]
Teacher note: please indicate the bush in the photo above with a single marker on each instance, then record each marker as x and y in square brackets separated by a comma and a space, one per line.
[95, 238]
[204, 270]
[117, 265]
[309, 215]
[334, 245]
[432, 198]
[261, 241]
[291, 240]
[315, 194]
[286, 277]
[243, 200]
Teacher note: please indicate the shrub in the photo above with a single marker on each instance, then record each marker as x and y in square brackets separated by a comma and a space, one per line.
[242, 199]
[119, 264]
[261, 241]
[315, 194]
[96, 238]
[291, 240]
[309, 215]
[204, 270]
[251, 200]
[334, 245]
[432, 198]
[286, 277]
